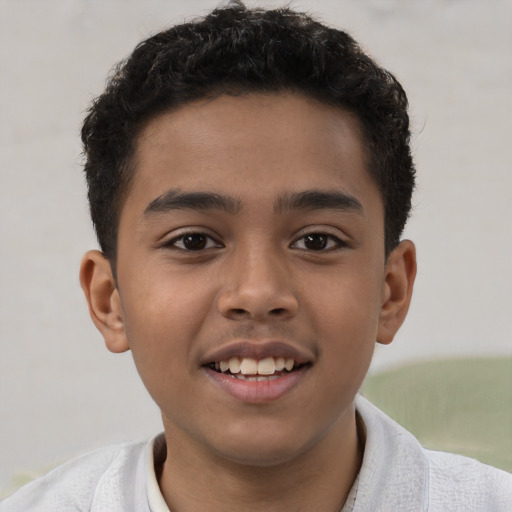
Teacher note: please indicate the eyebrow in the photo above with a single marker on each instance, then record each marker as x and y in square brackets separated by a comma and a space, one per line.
[318, 200]
[174, 199]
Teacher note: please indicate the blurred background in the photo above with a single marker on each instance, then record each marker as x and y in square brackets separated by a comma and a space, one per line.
[62, 393]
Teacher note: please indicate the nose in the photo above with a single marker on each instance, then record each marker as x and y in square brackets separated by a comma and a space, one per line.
[257, 287]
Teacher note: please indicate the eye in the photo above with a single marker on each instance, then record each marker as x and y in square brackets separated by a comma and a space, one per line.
[193, 242]
[318, 242]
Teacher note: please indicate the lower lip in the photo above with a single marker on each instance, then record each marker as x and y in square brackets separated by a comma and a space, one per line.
[258, 392]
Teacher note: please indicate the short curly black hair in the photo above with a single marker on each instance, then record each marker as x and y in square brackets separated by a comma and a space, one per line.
[236, 50]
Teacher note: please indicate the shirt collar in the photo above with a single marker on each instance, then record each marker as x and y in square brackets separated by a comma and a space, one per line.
[155, 451]
[394, 472]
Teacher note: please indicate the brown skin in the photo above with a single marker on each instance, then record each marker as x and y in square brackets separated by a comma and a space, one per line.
[258, 278]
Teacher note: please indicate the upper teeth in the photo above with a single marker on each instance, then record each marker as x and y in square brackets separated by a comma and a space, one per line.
[250, 366]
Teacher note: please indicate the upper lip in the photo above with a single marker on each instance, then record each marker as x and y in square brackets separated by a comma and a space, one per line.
[257, 350]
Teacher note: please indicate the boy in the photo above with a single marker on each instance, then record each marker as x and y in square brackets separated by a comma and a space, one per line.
[249, 179]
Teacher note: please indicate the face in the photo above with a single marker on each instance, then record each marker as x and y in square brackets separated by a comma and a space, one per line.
[251, 271]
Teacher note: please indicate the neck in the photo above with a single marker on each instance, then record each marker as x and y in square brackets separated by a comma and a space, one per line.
[320, 478]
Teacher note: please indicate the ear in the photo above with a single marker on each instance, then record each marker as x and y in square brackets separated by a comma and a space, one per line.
[99, 286]
[397, 290]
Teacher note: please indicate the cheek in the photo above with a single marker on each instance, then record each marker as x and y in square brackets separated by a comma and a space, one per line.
[347, 322]
[162, 321]
[161, 306]
[347, 304]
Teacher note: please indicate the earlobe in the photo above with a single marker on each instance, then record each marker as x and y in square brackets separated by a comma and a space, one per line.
[99, 287]
[397, 290]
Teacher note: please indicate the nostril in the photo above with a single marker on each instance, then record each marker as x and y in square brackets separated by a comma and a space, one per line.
[277, 311]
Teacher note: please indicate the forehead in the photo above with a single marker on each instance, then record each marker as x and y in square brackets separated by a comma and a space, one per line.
[251, 147]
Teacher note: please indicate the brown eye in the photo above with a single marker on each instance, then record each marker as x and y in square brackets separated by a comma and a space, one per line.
[193, 242]
[316, 241]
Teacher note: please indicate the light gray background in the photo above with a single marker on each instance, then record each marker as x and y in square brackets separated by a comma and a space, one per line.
[61, 392]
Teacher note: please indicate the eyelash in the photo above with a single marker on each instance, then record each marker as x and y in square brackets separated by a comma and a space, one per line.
[328, 242]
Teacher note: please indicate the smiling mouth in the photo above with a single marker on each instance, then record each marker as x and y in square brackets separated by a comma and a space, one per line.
[250, 369]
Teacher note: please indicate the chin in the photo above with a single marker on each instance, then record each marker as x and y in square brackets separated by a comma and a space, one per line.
[264, 447]
[262, 458]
